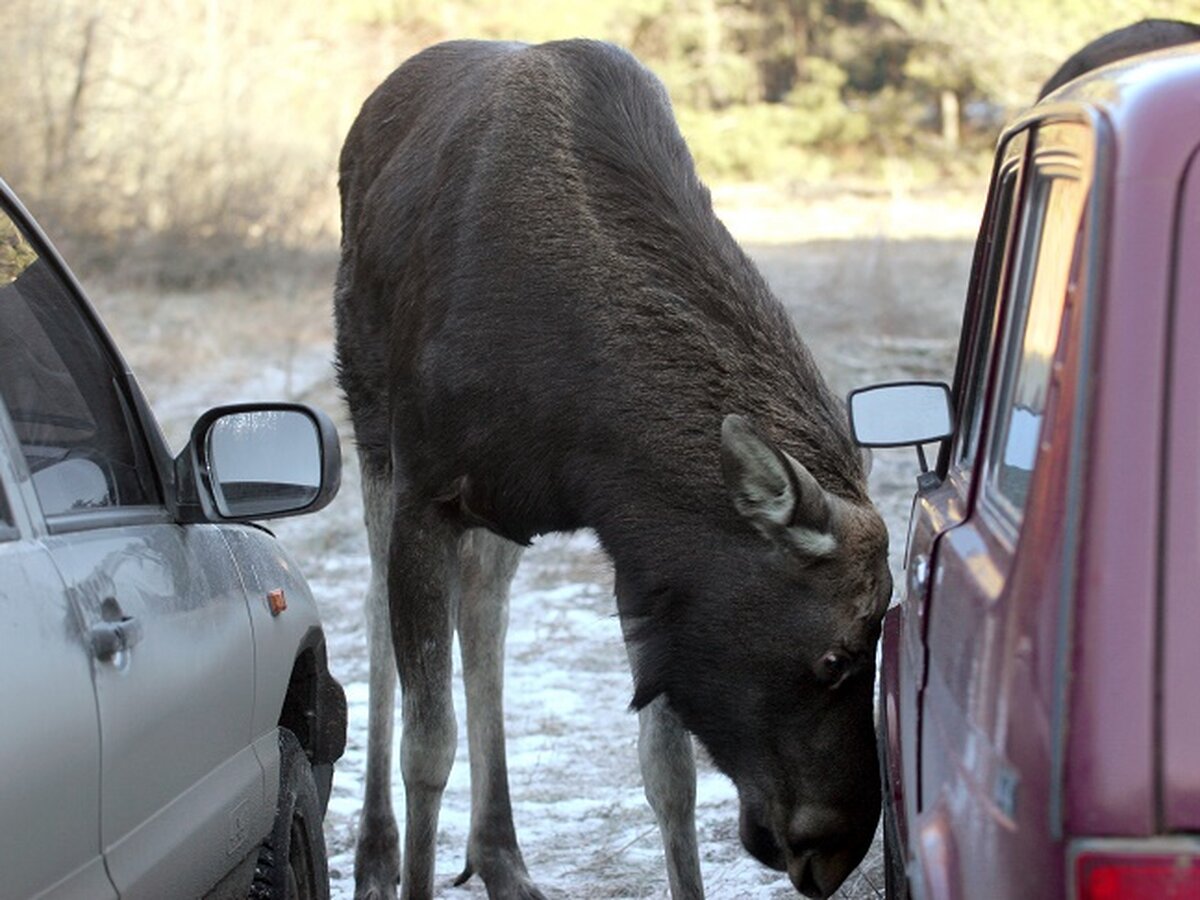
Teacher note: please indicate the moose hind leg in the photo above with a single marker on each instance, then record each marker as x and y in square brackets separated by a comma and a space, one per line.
[488, 564]
[669, 776]
[422, 594]
[377, 855]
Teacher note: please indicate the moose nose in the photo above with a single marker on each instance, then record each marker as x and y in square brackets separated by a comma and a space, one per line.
[822, 851]
[818, 875]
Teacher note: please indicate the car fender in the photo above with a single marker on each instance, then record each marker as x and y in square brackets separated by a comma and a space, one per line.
[288, 639]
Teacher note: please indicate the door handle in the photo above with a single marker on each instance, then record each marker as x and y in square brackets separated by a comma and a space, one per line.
[114, 634]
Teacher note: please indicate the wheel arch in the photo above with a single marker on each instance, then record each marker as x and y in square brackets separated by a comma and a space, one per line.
[314, 709]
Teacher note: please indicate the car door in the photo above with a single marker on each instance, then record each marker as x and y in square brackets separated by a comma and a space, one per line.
[50, 741]
[943, 503]
[163, 611]
[990, 571]
[1179, 769]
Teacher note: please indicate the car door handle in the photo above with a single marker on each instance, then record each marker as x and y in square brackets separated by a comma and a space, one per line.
[110, 638]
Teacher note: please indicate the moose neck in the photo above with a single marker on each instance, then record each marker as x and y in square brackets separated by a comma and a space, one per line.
[660, 546]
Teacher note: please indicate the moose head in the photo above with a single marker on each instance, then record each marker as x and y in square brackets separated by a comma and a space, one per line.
[767, 654]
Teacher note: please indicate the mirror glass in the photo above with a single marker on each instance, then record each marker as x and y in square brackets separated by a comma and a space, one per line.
[264, 462]
[896, 415]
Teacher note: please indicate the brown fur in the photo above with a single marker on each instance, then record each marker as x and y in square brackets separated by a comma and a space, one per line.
[542, 326]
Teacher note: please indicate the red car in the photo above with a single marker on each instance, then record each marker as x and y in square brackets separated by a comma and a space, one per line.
[1040, 688]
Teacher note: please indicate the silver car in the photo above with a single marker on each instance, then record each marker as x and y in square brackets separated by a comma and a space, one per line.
[168, 724]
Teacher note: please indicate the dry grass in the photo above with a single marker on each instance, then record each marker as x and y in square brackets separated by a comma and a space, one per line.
[898, 210]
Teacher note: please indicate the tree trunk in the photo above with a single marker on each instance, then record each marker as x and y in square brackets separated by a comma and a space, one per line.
[950, 119]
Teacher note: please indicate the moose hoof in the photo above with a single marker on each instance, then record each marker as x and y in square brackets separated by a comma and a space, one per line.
[378, 882]
[504, 877]
[523, 890]
[377, 860]
[375, 892]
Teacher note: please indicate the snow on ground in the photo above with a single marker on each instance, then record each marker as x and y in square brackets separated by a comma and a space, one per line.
[871, 310]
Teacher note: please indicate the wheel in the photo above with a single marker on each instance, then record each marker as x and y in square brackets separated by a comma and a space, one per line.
[291, 861]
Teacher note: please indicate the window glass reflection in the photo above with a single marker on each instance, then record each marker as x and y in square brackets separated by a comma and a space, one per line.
[264, 462]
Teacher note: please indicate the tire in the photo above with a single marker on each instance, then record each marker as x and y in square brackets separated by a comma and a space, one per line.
[291, 862]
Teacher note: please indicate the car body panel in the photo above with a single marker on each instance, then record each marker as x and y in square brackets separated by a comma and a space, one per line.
[44, 647]
[1112, 787]
[192, 673]
[1024, 704]
[203, 832]
[264, 566]
[943, 504]
[1181, 613]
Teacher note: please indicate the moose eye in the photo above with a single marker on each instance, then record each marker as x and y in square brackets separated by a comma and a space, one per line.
[833, 668]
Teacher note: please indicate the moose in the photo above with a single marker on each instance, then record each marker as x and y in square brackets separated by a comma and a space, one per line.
[542, 326]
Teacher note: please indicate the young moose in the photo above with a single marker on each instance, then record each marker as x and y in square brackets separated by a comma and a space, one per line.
[541, 326]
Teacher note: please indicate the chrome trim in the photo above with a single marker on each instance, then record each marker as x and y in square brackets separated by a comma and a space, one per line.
[109, 517]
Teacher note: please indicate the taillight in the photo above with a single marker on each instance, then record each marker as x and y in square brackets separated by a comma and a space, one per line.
[1103, 875]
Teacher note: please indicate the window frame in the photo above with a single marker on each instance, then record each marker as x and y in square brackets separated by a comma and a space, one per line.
[1046, 164]
[145, 438]
[16, 486]
[974, 369]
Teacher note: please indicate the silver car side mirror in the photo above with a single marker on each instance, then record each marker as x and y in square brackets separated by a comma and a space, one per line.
[259, 461]
[264, 462]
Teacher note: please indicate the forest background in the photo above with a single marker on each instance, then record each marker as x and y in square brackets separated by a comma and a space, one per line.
[194, 140]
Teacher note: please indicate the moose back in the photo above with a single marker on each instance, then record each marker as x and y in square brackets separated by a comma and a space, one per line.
[542, 326]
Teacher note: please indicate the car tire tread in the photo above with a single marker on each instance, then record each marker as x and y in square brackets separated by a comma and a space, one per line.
[292, 863]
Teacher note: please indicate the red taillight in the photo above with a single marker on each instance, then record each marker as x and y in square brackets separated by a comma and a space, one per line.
[1137, 876]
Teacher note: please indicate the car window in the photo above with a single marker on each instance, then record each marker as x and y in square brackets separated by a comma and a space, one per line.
[1049, 239]
[980, 343]
[63, 390]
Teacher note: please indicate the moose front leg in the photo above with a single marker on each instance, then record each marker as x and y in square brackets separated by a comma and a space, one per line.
[669, 778]
[377, 856]
[422, 584]
[668, 765]
[488, 564]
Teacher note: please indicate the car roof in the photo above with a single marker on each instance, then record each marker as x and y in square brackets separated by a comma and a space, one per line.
[1151, 100]
[1119, 82]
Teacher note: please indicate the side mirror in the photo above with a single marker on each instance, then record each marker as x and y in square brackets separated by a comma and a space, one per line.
[259, 461]
[901, 414]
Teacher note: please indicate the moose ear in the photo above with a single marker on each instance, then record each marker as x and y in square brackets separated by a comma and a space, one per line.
[777, 494]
